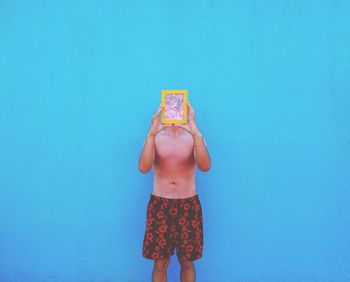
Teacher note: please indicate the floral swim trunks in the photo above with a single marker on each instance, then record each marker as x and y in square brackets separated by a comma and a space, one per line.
[173, 223]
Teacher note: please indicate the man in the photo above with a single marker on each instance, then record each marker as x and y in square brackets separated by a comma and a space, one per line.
[174, 213]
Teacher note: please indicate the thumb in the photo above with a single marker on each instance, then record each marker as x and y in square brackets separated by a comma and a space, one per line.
[182, 126]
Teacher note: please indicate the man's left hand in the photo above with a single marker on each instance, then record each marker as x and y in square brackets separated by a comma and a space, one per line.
[191, 125]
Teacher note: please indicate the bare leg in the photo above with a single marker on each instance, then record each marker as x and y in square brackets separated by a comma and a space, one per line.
[188, 273]
[160, 269]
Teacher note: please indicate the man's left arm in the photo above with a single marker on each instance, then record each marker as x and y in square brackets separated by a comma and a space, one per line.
[201, 154]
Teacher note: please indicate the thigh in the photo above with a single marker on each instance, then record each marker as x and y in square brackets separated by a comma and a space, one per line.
[190, 231]
[157, 244]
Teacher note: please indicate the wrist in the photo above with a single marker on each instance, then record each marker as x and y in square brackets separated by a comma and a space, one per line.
[151, 134]
[196, 134]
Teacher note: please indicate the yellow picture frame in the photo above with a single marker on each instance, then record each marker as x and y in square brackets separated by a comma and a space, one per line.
[175, 110]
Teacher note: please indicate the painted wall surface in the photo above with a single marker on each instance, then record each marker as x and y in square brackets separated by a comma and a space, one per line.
[270, 84]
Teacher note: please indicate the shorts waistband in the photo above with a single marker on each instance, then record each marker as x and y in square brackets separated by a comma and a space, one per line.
[176, 199]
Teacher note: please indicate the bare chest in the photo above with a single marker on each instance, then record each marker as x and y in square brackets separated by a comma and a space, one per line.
[178, 148]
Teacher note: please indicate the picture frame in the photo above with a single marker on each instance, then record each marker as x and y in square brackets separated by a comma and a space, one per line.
[175, 110]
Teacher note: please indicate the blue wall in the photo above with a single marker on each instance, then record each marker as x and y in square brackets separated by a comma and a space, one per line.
[79, 83]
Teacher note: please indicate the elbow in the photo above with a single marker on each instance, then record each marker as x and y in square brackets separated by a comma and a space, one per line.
[204, 168]
[144, 169]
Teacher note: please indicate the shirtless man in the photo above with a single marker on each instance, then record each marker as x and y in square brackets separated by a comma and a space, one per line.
[174, 213]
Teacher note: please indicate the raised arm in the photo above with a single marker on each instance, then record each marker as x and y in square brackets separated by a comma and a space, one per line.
[201, 153]
[148, 151]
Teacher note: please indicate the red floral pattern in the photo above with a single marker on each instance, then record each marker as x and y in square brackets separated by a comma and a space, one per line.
[173, 223]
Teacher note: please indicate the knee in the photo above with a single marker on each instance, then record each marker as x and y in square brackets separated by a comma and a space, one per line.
[161, 264]
[186, 264]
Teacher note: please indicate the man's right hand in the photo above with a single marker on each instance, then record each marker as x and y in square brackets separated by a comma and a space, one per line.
[156, 126]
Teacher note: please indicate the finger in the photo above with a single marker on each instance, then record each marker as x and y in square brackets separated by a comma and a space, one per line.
[190, 108]
[161, 126]
[159, 110]
[162, 107]
[182, 126]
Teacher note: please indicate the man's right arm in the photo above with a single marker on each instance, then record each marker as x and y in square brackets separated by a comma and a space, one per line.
[147, 155]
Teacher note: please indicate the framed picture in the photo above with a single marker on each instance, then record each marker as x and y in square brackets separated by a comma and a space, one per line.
[175, 110]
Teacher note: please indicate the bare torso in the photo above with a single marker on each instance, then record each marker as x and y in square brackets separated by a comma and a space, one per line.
[174, 164]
